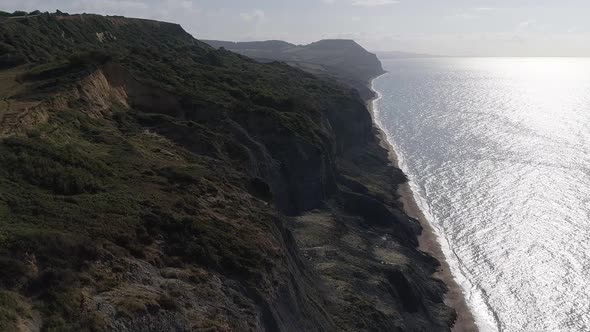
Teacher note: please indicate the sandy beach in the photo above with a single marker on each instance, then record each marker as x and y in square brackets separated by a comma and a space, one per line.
[428, 239]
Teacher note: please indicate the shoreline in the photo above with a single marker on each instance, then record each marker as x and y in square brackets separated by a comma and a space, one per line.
[428, 241]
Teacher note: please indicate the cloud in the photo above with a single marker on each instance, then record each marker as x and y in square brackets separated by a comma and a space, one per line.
[525, 24]
[328, 1]
[173, 10]
[485, 9]
[109, 6]
[184, 4]
[372, 3]
[26, 5]
[256, 16]
[462, 16]
[472, 14]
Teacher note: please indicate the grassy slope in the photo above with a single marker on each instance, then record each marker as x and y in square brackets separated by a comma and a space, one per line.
[77, 189]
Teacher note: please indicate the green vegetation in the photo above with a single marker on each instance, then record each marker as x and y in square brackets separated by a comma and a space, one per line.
[342, 60]
[61, 202]
[62, 170]
[145, 178]
[89, 185]
[11, 310]
[161, 54]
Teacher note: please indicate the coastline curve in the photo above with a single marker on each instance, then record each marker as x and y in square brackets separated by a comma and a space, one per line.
[431, 241]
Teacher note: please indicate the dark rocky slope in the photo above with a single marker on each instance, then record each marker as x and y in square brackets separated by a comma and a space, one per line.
[149, 182]
[342, 60]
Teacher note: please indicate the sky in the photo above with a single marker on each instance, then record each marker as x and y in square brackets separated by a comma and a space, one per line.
[439, 27]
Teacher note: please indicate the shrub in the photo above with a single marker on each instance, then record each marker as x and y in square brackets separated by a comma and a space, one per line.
[89, 58]
[6, 48]
[64, 170]
[168, 303]
[11, 60]
[11, 308]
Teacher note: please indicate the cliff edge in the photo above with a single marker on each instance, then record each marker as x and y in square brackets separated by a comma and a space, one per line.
[150, 182]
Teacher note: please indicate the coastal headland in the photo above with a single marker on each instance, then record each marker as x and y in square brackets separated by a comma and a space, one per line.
[151, 182]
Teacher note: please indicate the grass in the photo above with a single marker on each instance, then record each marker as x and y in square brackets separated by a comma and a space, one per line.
[62, 170]
[60, 201]
[12, 308]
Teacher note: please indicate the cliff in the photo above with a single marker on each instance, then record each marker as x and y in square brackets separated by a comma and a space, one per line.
[149, 182]
[338, 59]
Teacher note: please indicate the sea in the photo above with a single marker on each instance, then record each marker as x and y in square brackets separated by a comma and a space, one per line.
[497, 151]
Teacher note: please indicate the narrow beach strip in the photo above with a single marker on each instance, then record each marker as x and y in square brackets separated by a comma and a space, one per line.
[428, 240]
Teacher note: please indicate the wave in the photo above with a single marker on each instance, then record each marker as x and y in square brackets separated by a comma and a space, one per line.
[485, 317]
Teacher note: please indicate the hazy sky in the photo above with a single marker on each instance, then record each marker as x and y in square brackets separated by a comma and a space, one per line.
[453, 27]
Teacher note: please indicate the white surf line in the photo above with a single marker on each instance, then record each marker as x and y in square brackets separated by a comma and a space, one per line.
[486, 320]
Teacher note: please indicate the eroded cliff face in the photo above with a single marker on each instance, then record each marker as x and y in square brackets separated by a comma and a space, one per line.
[168, 186]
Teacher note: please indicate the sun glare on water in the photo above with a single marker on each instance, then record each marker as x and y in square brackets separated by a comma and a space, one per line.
[499, 151]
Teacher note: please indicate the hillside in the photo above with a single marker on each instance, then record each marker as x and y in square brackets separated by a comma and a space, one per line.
[149, 182]
[338, 59]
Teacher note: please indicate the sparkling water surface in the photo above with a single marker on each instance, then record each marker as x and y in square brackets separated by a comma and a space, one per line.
[498, 153]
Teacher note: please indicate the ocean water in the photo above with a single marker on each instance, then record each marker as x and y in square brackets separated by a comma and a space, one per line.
[498, 153]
